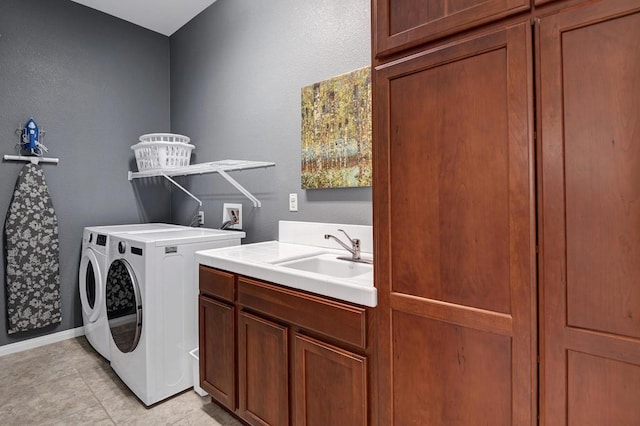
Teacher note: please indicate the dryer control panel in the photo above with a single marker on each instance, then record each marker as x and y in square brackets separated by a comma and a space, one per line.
[101, 240]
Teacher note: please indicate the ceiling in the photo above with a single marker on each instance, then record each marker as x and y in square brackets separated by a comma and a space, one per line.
[164, 17]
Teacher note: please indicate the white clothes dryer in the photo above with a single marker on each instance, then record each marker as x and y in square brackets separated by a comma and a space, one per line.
[152, 337]
[92, 272]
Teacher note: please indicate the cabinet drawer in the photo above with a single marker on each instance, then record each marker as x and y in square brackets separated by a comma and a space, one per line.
[216, 283]
[341, 321]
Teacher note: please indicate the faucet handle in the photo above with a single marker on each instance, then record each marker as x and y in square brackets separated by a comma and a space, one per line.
[352, 241]
[355, 244]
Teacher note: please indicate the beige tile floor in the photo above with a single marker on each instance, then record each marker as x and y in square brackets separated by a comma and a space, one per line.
[69, 383]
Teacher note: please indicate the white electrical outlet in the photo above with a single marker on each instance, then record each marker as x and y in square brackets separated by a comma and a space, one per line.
[201, 217]
[293, 202]
[232, 213]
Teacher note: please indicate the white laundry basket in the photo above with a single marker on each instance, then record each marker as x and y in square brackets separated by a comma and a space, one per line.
[162, 151]
[195, 354]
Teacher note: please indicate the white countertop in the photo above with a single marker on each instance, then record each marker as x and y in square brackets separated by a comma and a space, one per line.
[259, 260]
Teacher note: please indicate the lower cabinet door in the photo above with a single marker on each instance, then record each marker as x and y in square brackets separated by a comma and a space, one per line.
[217, 356]
[262, 371]
[330, 384]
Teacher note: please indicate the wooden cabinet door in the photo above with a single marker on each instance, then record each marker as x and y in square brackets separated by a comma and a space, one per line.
[590, 215]
[454, 224]
[217, 351]
[401, 24]
[263, 372]
[330, 385]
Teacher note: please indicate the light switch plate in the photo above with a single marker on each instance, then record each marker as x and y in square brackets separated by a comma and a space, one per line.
[293, 202]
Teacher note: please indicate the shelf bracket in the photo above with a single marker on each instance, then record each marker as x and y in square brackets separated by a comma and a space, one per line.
[232, 181]
[182, 188]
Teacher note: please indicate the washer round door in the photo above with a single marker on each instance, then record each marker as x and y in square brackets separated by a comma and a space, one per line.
[90, 285]
[124, 305]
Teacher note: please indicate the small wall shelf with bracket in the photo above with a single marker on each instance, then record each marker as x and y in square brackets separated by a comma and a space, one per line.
[221, 167]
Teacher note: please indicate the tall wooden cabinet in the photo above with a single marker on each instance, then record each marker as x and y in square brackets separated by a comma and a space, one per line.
[590, 214]
[456, 248]
[471, 182]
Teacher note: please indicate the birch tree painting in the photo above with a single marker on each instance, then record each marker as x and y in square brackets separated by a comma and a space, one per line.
[336, 132]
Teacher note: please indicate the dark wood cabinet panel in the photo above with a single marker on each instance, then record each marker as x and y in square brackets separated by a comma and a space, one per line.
[401, 24]
[216, 283]
[602, 391]
[589, 228]
[458, 376]
[217, 350]
[601, 151]
[454, 158]
[263, 388]
[458, 161]
[330, 385]
[331, 318]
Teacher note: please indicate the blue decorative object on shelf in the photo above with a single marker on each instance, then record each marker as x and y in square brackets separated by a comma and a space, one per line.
[31, 142]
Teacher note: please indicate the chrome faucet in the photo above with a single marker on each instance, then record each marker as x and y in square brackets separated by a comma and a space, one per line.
[354, 249]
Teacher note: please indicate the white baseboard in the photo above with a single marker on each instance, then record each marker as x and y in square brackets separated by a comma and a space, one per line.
[12, 348]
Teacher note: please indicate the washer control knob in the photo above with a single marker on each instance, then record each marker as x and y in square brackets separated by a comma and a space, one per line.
[122, 247]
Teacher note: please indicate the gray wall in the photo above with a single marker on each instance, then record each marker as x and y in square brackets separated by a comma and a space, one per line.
[94, 83]
[236, 74]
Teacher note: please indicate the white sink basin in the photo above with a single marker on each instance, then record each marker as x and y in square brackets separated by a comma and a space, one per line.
[329, 264]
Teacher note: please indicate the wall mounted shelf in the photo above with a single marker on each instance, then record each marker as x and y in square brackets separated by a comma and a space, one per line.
[221, 167]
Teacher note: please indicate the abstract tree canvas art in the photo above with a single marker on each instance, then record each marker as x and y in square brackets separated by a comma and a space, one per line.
[336, 132]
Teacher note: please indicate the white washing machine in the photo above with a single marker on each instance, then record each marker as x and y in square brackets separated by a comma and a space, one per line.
[151, 340]
[92, 272]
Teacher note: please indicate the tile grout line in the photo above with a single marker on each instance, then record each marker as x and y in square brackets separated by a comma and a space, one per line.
[35, 390]
[79, 373]
[97, 399]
